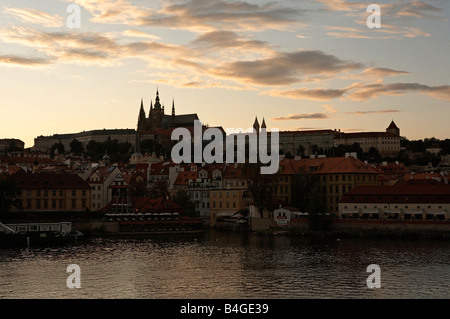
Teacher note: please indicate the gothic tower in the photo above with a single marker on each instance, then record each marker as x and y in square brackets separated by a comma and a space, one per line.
[393, 129]
[256, 125]
[142, 125]
[156, 113]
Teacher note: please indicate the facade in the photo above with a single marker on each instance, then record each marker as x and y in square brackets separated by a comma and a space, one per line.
[311, 142]
[52, 192]
[11, 144]
[387, 143]
[44, 143]
[100, 181]
[232, 197]
[413, 199]
[333, 176]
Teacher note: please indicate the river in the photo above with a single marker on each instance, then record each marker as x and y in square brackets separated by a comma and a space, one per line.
[229, 265]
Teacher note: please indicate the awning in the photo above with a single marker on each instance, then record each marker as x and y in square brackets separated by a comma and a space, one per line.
[349, 212]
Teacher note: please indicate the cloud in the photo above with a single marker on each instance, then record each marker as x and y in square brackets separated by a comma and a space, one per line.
[310, 116]
[225, 39]
[308, 94]
[364, 91]
[209, 15]
[34, 16]
[329, 108]
[112, 11]
[285, 68]
[22, 61]
[140, 34]
[383, 72]
[373, 112]
[367, 91]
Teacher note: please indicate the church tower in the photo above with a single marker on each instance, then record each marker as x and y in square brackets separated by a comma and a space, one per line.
[142, 125]
[256, 125]
[393, 129]
[156, 113]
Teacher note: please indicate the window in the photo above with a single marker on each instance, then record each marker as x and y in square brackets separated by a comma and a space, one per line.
[61, 204]
[83, 192]
[53, 203]
[74, 193]
[46, 193]
[54, 193]
[74, 203]
[38, 193]
[60, 193]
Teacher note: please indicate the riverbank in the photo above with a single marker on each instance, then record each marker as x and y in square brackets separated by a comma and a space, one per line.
[366, 229]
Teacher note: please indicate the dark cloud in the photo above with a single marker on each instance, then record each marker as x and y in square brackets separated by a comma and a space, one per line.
[373, 112]
[367, 91]
[17, 60]
[310, 116]
[217, 14]
[286, 68]
[309, 94]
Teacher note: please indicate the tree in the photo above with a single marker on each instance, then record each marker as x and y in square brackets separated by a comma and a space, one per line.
[57, 146]
[9, 193]
[259, 185]
[183, 199]
[137, 187]
[317, 210]
[76, 147]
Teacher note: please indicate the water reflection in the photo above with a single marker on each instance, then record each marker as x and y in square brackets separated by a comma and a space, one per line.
[229, 265]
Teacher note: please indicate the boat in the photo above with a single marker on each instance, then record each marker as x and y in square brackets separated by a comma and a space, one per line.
[155, 223]
[37, 234]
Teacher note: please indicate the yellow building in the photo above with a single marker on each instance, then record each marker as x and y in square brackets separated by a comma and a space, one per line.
[231, 198]
[52, 192]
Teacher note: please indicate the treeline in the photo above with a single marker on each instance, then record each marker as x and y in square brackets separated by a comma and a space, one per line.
[119, 152]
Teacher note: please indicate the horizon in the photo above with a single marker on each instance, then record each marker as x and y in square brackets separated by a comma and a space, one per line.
[300, 66]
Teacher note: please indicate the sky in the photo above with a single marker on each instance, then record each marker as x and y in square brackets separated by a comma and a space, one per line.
[300, 65]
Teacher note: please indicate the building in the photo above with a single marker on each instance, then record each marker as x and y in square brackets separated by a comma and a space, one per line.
[44, 143]
[333, 176]
[100, 181]
[233, 197]
[11, 144]
[157, 126]
[52, 192]
[420, 199]
[387, 143]
[306, 143]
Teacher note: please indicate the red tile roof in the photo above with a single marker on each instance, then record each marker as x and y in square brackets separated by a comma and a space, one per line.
[331, 165]
[49, 180]
[415, 191]
[184, 177]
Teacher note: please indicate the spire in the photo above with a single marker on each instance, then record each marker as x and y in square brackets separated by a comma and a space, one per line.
[151, 105]
[263, 125]
[157, 104]
[173, 107]
[141, 118]
[256, 125]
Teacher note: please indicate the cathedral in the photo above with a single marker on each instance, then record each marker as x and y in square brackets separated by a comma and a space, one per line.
[157, 121]
[158, 126]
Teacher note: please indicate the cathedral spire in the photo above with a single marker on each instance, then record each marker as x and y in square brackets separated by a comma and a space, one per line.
[256, 125]
[173, 107]
[157, 104]
[263, 125]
